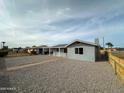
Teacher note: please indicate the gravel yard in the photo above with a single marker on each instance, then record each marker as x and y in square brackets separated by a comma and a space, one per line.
[17, 61]
[62, 76]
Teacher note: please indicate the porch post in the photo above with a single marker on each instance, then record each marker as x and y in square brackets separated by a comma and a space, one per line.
[49, 51]
[59, 51]
[43, 51]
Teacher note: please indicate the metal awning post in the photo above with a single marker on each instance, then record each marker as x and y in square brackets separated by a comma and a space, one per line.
[59, 51]
[43, 51]
[49, 51]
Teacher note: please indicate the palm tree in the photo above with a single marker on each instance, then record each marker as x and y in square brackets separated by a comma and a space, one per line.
[109, 44]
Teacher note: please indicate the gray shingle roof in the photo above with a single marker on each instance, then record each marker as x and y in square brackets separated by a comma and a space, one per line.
[84, 42]
[60, 45]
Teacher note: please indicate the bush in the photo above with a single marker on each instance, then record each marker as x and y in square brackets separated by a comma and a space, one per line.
[3, 53]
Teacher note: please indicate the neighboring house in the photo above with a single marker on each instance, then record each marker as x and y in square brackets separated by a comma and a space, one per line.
[17, 50]
[39, 49]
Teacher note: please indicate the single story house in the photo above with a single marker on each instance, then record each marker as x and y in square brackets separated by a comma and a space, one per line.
[79, 50]
[17, 49]
[43, 49]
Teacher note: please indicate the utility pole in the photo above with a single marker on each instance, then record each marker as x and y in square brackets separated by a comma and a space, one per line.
[1, 45]
[103, 43]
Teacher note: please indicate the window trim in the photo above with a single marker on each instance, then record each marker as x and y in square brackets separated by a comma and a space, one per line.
[81, 50]
[77, 51]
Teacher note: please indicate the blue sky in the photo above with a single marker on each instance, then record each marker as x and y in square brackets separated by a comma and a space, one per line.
[36, 22]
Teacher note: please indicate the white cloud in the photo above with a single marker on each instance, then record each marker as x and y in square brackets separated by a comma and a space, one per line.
[34, 27]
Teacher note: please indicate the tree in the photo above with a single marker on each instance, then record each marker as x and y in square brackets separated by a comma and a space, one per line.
[109, 44]
[33, 46]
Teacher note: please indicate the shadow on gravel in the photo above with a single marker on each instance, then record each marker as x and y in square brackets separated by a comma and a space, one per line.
[5, 85]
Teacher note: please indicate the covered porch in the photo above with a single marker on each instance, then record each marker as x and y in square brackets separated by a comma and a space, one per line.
[55, 51]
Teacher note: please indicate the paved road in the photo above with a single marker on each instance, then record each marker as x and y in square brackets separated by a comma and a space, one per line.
[63, 76]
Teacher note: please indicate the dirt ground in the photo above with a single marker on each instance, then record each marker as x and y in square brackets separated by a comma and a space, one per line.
[119, 54]
[58, 76]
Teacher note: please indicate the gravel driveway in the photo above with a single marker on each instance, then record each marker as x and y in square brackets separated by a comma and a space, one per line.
[17, 61]
[63, 76]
